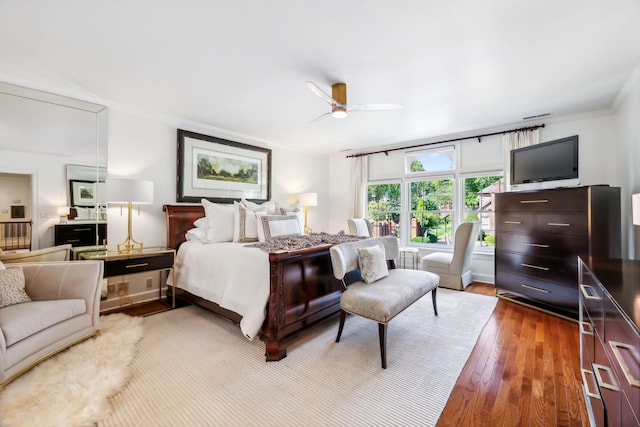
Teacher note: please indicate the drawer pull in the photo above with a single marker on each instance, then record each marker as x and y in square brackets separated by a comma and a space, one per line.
[513, 222]
[558, 224]
[536, 245]
[611, 386]
[616, 346]
[82, 229]
[535, 201]
[72, 240]
[584, 373]
[545, 291]
[144, 264]
[586, 328]
[537, 267]
[588, 293]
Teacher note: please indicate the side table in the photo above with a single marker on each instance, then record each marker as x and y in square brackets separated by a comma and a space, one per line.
[407, 251]
[119, 269]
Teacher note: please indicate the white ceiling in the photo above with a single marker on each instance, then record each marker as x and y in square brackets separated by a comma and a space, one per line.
[241, 65]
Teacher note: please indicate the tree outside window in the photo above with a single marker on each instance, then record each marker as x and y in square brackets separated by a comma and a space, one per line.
[431, 211]
[479, 203]
[384, 208]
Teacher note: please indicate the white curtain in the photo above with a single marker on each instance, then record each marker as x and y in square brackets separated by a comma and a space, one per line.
[359, 178]
[515, 140]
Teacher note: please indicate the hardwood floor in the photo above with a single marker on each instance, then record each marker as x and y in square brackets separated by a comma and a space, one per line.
[523, 371]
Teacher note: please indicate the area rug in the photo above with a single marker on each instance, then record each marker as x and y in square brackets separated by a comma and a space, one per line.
[73, 387]
[194, 368]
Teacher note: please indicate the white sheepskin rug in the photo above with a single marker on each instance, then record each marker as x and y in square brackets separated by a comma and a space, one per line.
[73, 388]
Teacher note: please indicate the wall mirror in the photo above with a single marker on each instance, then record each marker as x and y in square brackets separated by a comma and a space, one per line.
[48, 139]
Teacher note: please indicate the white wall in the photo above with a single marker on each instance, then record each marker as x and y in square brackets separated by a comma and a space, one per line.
[628, 161]
[144, 146]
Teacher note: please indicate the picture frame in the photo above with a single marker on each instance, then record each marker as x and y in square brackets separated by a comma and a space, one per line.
[82, 193]
[220, 170]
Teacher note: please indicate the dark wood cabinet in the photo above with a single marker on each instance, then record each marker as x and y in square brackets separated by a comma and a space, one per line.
[81, 234]
[610, 340]
[541, 234]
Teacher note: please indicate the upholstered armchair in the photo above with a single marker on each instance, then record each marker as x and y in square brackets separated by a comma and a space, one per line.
[55, 253]
[62, 308]
[360, 227]
[454, 268]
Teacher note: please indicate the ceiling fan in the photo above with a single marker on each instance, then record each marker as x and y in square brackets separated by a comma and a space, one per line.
[338, 101]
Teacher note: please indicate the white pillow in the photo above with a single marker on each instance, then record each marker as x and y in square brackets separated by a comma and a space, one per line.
[278, 225]
[199, 234]
[293, 209]
[82, 213]
[220, 219]
[373, 263]
[201, 223]
[269, 207]
[245, 224]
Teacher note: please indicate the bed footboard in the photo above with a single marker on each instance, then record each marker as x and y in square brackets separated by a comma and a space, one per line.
[303, 291]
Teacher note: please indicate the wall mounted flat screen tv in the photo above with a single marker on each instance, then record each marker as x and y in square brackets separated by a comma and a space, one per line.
[548, 161]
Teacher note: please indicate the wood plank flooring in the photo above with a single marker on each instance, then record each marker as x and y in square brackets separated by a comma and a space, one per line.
[523, 371]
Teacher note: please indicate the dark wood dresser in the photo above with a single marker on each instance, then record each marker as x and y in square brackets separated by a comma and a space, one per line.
[80, 234]
[539, 236]
[610, 340]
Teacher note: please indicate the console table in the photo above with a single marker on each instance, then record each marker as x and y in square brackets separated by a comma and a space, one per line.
[610, 339]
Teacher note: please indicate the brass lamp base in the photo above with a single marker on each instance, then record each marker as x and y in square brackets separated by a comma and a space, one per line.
[129, 244]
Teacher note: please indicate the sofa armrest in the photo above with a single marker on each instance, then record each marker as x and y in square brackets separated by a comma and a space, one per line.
[65, 280]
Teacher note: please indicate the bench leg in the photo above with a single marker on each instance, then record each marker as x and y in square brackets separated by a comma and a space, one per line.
[343, 315]
[433, 297]
[382, 332]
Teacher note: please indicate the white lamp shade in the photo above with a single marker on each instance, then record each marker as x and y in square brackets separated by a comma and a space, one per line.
[635, 208]
[308, 199]
[63, 210]
[129, 190]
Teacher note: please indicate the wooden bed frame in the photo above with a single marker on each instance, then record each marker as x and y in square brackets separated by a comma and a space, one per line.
[303, 289]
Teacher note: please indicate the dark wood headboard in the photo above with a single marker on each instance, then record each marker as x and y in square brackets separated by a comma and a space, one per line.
[180, 219]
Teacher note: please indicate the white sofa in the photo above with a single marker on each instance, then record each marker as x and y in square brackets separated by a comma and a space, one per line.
[64, 310]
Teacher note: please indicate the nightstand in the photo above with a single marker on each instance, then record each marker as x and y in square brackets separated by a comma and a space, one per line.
[132, 277]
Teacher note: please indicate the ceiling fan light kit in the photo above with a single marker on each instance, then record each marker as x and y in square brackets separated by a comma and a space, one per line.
[338, 101]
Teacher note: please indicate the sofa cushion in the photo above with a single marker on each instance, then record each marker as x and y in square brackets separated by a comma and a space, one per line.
[20, 321]
[373, 264]
[12, 287]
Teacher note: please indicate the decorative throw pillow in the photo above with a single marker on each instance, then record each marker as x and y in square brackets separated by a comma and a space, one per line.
[199, 234]
[12, 287]
[277, 225]
[201, 223]
[293, 209]
[220, 219]
[245, 224]
[269, 207]
[373, 263]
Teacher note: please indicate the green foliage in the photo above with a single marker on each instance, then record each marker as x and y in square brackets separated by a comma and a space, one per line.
[473, 186]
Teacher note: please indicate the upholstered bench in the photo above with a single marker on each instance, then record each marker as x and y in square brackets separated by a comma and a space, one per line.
[373, 287]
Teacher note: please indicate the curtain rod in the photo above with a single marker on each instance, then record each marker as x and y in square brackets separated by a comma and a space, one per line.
[386, 152]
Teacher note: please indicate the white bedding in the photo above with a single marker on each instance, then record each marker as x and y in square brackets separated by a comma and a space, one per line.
[229, 274]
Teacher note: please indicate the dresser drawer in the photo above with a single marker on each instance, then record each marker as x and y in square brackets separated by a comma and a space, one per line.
[545, 245]
[555, 270]
[531, 287]
[118, 267]
[567, 200]
[592, 297]
[516, 222]
[562, 224]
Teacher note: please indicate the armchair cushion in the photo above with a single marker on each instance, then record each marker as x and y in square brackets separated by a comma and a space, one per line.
[12, 287]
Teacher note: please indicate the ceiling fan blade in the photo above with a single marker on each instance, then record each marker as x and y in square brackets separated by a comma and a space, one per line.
[319, 117]
[374, 107]
[315, 89]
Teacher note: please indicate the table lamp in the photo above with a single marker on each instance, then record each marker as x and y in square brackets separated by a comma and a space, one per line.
[63, 213]
[306, 200]
[129, 192]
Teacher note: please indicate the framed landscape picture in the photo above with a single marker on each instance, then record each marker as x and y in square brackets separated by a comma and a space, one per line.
[83, 193]
[221, 170]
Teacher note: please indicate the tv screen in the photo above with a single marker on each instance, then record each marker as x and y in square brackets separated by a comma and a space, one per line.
[548, 161]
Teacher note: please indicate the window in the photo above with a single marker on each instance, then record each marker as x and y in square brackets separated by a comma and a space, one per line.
[479, 202]
[436, 160]
[383, 201]
[431, 211]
